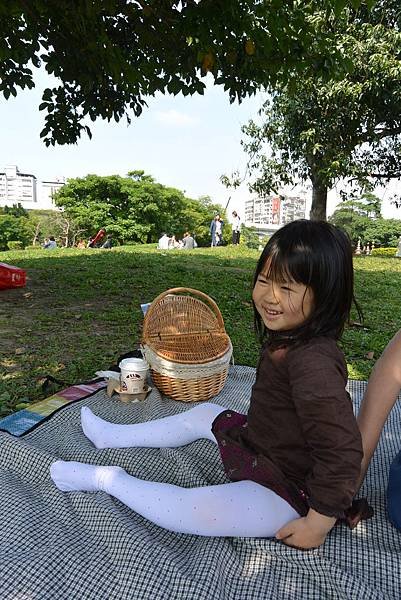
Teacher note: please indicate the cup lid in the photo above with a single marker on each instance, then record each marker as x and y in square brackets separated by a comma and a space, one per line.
[134, 364]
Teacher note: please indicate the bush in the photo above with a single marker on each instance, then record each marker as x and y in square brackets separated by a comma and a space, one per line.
[384, 252]
[15, 245]
[250, 238]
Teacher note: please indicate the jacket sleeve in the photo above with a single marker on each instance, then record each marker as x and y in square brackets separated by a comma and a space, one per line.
[317, 378]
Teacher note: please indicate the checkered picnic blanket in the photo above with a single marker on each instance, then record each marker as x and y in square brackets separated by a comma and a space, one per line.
[90, 546]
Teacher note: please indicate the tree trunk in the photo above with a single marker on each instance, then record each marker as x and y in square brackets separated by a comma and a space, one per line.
[66, 231]
[36, 234]
[319, 201]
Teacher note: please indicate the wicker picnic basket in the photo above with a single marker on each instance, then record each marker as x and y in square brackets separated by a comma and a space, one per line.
[186, 345]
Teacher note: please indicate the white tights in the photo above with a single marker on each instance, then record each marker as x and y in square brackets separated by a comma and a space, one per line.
[237, 509]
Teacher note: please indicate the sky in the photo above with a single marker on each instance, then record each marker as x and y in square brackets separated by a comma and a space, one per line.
[183, 142]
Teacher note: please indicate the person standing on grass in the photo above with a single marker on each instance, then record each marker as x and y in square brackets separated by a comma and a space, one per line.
[216, 231]
[293, 463]
[236, 225]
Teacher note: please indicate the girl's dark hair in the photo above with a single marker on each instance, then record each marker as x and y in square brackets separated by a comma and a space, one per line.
[318, 255]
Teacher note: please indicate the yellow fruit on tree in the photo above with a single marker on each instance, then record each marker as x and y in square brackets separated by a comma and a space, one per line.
[231, 57]
[208, 62]
[250, 47]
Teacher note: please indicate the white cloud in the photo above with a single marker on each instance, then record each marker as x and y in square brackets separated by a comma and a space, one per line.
[173, 117]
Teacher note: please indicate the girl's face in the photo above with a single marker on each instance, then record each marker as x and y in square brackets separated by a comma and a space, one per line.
[282, 305]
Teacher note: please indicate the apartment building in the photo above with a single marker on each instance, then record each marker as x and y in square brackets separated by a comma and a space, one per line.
[274, 210]
[47, 190]
[23, 188]
[17, 187]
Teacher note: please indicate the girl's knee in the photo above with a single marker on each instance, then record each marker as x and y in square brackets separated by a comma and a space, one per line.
[207, 410]
[199, 419]
[203, 415]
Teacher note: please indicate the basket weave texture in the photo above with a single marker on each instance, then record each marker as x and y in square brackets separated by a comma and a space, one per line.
[185, 342]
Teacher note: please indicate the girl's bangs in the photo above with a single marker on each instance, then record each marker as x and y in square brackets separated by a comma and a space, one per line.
[283, 268]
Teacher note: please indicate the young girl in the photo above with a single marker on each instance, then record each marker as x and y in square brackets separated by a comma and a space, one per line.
[294, 461]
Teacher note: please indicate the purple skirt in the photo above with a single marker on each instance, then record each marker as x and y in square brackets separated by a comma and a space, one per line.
[241, 462]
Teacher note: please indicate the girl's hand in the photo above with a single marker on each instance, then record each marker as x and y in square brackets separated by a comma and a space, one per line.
[307, 532]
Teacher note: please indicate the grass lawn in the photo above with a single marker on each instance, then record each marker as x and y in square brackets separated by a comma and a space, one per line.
[80, 309]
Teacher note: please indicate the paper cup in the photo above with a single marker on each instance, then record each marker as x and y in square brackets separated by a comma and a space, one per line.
[133, 375]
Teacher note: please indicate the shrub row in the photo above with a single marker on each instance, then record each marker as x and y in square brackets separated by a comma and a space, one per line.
[385, 252]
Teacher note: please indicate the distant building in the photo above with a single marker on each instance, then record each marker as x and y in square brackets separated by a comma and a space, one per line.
[24, 189]
[293, 208]
[274, 210]
[48, 190]
[17, 187]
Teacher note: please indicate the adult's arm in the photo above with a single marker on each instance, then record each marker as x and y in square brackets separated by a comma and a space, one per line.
[380, 397]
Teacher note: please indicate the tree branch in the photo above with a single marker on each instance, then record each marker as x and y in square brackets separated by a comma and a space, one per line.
[367, 137]
[376, 176]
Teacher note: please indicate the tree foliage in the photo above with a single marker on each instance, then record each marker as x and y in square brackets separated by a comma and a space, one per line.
[108, 57]
[134, 208]
[250, 237]
[13, 228]
[16, 210]
[350, 128]
[361, 219]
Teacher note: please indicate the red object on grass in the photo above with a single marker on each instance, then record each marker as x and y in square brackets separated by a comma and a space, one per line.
[11, 277]
[100, 234]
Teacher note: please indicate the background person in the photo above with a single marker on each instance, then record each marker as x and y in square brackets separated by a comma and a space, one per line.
[50, 244]
[236, 226]
[188, 242]
[164, 242]
[173, 243]
[108, 243]
[216, 231]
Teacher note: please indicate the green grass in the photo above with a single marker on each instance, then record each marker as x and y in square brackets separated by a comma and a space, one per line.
[80, 309]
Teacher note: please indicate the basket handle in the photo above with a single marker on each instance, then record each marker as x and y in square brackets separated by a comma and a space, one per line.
[177, 290]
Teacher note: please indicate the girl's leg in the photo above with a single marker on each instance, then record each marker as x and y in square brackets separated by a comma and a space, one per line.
[239, 509]
[169, 432]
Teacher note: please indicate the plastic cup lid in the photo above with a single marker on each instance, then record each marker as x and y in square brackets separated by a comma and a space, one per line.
[134, 364]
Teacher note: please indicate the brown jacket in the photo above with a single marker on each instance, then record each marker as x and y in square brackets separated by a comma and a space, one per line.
[301, 418]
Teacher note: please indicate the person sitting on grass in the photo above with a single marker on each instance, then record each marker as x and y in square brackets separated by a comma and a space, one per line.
[293, 462]
[50, 244]
[163, 242]
[108, 243]
[188, 242]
